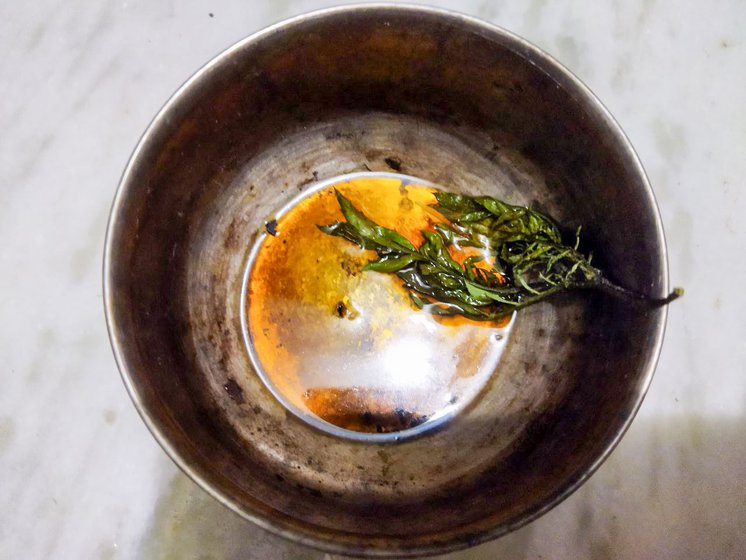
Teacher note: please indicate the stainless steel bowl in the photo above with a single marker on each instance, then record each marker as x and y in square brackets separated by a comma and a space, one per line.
[460, 103]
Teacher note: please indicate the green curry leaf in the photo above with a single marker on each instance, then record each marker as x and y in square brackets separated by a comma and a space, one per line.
[530, 260]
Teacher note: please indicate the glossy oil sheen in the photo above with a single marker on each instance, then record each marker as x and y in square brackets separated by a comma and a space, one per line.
[345, 349]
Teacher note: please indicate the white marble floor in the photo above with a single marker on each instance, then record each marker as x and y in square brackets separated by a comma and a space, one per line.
[81, 477]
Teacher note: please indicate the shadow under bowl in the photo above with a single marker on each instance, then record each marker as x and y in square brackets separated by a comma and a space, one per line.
[451, 100]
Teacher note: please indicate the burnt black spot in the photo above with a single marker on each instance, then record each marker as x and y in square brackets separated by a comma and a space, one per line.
[393, 163]
[234, 391]
[231, 238]
[314, 177]
[345, 135]
[271, 227]
[340, 309]
[350, 267]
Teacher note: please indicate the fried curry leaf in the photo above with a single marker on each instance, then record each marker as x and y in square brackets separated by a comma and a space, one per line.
[529, 260]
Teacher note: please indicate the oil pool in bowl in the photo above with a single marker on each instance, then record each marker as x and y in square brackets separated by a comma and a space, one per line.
[346, 349]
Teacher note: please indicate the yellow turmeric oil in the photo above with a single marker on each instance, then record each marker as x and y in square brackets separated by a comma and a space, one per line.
[346, 346]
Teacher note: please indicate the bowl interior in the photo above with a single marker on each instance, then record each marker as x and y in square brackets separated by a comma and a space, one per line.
[457, 103]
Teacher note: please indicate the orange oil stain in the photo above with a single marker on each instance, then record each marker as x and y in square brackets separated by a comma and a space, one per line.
[331, 337]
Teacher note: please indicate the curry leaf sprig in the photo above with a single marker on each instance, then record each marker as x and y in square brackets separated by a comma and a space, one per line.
[520, 258]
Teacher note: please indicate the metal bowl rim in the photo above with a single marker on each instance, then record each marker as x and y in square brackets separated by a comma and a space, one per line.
[304, 534]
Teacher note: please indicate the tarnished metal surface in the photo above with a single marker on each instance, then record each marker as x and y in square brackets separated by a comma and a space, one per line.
[459, 103]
